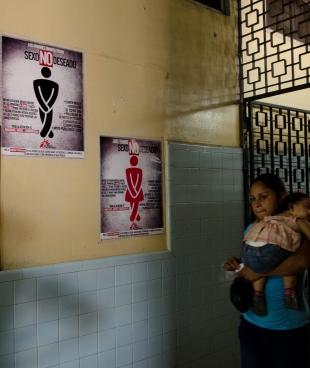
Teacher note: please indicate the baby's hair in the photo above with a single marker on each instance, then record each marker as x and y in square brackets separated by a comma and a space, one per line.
[272, 182]
[294, 198]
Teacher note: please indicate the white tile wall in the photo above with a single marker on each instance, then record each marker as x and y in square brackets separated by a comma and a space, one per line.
[206, 212]
[85, 314]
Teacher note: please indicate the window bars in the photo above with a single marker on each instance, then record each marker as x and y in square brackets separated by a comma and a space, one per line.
[274, 46]
[278, 141]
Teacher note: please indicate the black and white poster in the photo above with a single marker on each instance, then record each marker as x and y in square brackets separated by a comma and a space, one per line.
[42, 100]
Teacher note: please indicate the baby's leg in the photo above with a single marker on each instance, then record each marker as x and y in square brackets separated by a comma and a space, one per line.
[289, 282]
[290, 299]
[259, 285]
[259, 302]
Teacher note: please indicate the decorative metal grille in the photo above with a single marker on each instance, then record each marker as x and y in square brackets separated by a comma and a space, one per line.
[278, 141]
[274, 46]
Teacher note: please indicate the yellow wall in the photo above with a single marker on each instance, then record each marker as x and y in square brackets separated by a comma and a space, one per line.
[202, 80]
[163, 69]
[297, 99]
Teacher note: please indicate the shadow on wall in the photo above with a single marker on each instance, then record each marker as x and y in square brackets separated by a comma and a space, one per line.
[110, 312]
[44, 321]
[203, 72]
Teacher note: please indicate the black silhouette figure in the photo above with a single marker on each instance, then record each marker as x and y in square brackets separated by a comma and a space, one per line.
[46, 92]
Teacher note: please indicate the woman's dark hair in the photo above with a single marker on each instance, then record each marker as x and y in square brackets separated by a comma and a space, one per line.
[272, 182]
[293, 198]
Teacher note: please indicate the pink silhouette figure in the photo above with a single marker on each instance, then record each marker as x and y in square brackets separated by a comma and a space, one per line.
[134, 193]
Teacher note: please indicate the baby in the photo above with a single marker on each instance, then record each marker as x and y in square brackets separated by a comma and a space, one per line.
[269, 241]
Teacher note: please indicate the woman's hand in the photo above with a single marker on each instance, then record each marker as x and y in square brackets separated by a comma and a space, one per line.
[249, 274]
[232, 264]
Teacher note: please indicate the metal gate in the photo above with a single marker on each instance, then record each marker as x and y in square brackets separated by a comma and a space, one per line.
[277, 139]
[274, 54]
[274, 46]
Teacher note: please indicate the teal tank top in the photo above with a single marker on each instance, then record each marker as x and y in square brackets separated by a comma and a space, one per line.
[278, 316]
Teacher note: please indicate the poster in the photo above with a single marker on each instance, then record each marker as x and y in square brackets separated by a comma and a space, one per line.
[131, 187]
[42, 100]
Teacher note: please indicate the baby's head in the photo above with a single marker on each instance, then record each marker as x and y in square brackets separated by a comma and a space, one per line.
[298, 204]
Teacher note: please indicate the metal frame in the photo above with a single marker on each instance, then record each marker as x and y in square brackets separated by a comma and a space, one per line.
[274, 58]
[277, 140]
[274, 47]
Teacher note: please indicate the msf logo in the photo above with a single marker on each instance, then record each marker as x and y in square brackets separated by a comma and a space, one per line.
[44, 144]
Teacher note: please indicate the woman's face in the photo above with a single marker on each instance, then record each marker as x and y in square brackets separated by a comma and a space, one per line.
[264, 201]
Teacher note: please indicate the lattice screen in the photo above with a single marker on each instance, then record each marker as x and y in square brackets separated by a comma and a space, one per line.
[274, 46]
[278, 140]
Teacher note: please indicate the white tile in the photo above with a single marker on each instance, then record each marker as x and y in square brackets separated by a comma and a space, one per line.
[6, 318]
[68, 306]
[140, 350]
[107, 359]
[68, 328]
[107, 340]
[88, 323]
[88, 345]
[48, 355]
[139, 291]
[89, 362]
[123, 275]
[139, 272]
[25, 337]
[124, 335]
[106, 298]
[140, 330]
[123, 295]
[7, 361]
[124, 355]
[47, 287]
[106, 278]
[88, 302]
[69, 350]
[48, 310]
[87, 280]
[6, 342]
[139, 311]
[25, 314]
[6, 293]
[123, 315]
[26, 359]
[25, 290]
[107, 318]
[48, 332]
[68, 283]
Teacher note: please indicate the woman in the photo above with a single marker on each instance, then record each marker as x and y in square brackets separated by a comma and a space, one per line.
[279, 339]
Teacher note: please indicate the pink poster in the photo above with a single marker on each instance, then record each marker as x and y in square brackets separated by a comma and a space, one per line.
[131, 187]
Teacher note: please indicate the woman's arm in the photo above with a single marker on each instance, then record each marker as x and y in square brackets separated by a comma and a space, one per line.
[304, 227]
[297, 262]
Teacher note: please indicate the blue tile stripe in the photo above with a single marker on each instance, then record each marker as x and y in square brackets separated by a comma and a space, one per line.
[79, 313]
